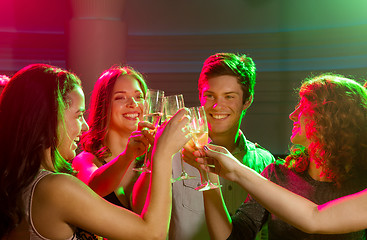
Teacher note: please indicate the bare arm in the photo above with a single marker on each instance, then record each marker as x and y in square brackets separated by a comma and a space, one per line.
[61, 200]
[348, 214]
[216, 214]
[139, 193]
[217, 217]
[106, 179]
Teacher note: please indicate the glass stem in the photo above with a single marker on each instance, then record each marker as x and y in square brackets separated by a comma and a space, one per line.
[182, 167]
[145, 164]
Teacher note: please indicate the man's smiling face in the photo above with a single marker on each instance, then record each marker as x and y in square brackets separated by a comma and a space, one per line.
[222, 98]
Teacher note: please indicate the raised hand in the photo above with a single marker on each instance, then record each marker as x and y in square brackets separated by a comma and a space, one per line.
[173, 135]
[140, 139]
[225, 163]
[188, 154]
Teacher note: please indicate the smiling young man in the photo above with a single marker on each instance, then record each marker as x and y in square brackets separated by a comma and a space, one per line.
[226, 90]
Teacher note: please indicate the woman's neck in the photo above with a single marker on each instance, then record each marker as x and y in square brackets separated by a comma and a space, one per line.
[116, 142]
[47, 163]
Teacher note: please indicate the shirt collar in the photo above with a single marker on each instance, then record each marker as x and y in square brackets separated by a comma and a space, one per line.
[242, 144]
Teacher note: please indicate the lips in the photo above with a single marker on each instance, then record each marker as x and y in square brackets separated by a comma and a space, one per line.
[75, 142]
[131, 116]
[219, 116]
[295, 128]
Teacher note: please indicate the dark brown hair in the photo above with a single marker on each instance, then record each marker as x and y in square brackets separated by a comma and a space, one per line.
[338, 129]
[31, 107]
[100, 109]
[240, 66]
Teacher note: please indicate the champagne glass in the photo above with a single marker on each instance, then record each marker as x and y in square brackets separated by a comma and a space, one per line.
[199, 128]
[153, 111]
[172, 104]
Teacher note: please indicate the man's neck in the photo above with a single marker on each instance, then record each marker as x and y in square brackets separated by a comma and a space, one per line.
[227, 140]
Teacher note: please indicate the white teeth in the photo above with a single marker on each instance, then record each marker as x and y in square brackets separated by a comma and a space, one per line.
[219, 116]
[131, 115]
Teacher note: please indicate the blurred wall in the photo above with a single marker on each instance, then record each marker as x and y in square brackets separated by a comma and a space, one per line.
[168, 41]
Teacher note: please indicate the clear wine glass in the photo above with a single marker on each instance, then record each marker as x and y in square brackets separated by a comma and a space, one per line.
[172, 104]
[199, 129]
[153, 111]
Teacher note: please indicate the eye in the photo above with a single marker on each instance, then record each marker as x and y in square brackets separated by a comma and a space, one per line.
[120, 97]
[140, 98]
[208, 96]
[81, 116]
[229, 96]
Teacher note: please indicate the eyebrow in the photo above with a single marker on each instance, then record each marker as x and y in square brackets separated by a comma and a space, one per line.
[137, 91]
[223, 93]
[231, 93]
[81, 110]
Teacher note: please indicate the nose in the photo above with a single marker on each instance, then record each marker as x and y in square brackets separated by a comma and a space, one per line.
[85, 126]
[132, 102]
[217, 103]
[294, 115]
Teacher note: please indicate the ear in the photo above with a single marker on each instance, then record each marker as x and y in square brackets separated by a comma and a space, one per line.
[248, 103]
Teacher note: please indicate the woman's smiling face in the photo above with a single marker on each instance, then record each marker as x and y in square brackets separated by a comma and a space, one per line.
[71, 129]
[300, 117]
[126, 105]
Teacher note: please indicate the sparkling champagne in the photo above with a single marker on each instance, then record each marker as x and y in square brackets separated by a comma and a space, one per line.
[200, 138]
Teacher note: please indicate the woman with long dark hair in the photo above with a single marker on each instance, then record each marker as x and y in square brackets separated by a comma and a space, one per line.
[41, 120]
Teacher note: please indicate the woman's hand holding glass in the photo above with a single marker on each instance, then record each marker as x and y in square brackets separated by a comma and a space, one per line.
[218, 160]
[153, 111]
[140, 140]
[173, 134]
[199, 128]
[172, 104]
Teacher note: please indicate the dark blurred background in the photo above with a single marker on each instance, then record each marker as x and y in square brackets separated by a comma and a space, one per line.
[168, 40]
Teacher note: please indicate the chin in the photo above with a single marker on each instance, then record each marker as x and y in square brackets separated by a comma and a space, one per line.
[215, 130]
[300, 143]
[129, 130]
[70, 156]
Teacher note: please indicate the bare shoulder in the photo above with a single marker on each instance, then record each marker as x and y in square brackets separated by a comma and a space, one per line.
[84, 158]
[59, 200]
[64, 192]
[60, 184]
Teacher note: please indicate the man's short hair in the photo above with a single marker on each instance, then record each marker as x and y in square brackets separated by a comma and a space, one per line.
[240, 66]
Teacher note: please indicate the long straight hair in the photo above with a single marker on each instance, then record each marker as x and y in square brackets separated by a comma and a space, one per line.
[31, 108]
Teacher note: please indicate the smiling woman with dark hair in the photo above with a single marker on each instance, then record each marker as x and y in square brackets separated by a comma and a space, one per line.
[336, 107]
[41, 120]
[116, 109]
